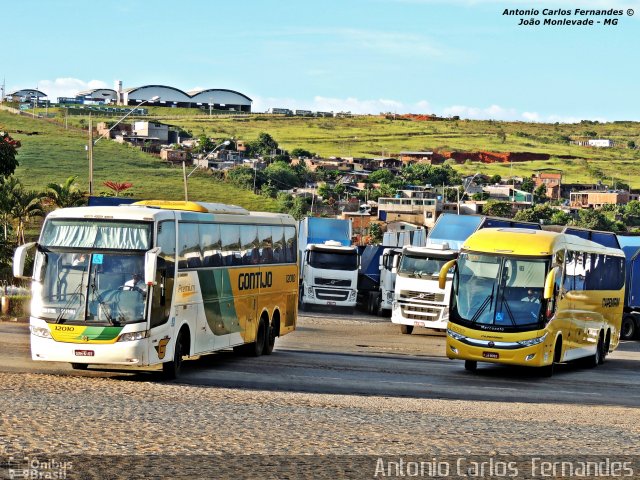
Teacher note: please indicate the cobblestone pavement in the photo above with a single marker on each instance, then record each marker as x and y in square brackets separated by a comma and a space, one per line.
[68, 414]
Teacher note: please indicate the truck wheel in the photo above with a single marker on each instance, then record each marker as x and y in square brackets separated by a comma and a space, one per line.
[406, 329]
[470, 365]
[628, 328]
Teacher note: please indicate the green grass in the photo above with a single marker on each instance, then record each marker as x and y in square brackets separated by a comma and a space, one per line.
[54, 153]
[357, 136]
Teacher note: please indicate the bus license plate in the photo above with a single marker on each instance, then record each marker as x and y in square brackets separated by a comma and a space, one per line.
[490, 355]
[84, 353]
[418, 324]
[331, 303]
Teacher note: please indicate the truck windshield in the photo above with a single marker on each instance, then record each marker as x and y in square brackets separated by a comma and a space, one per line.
[99, 288]
[420, 266]
[504, 292]
[333, 260]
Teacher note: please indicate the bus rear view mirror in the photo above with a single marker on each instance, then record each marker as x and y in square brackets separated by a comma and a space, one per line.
[549, 283]
[20, 258]
[442, 277]
[150, 265]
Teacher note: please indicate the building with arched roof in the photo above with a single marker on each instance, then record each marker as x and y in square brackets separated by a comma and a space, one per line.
[26, 95]
[103, 95]
[216, 98]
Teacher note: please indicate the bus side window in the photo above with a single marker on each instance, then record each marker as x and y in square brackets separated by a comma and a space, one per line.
[569, 271]
[266, 245]
[277, 236]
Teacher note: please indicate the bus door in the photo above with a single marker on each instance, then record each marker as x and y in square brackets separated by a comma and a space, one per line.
[161, 311]
[572, 321]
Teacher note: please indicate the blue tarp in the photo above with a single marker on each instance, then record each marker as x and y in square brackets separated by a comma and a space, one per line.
[110, 201]
[324, 229]
[453, 229]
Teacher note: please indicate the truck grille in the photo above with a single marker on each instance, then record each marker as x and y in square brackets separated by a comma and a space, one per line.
[332, 282]
[424, 296]
[415, 312]
[335, 295]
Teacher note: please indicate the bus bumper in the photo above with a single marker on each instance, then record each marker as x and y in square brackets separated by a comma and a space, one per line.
[120, 353]
[533, 356]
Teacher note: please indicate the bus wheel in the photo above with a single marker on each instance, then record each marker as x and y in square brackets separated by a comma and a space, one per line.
[256, 348]
[596, 359]
[406, 329]
[171, 369]
[470, 365]
[79, 366]
[628, 328]
[270, 341]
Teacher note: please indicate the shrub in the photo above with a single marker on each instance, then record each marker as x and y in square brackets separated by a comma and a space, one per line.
[19, 305]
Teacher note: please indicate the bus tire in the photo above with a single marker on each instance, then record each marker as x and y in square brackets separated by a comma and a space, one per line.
[406, 329]
[628, 329]
[596, 359]
[270, 341]
[470, 365]
[255, 349]
[171, 370]
[79, 366]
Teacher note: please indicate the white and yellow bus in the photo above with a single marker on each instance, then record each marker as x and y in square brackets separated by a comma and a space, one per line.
[534, 298]
[157, 281]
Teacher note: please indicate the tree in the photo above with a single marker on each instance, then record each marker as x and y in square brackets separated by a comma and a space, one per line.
[66, 194]
[537, 214]
[25, 206]
[205, 144]
[495, 179]
[497, 209]
[560, 218]
[245, 177]
[381, 176]
[502, 136]
[6, 197]
[301, 152]
[8, 151]
[528, 185]
[282, 175]
[265, 145]
[375, 233]
[631, 144]
[540, 194]
[117, 187]
[592, 219]
[300, 208]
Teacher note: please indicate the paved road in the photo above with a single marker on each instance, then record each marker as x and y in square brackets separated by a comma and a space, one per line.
[364, 355]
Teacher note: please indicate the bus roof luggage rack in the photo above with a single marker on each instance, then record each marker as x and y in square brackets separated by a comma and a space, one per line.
[202, 207]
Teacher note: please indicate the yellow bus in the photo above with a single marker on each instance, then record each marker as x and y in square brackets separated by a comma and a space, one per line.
[534, 298]
[153, 282]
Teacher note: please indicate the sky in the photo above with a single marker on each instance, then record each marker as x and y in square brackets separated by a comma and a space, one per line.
[443, 57]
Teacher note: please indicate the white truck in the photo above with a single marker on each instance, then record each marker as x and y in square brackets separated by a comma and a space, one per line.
[419, 301]
[387, 280]
[328, 264]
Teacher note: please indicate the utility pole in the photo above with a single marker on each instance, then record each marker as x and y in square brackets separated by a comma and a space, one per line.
[90, 155]
[184, 178]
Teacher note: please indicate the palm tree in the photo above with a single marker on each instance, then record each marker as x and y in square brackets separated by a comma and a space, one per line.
[6, 195]
[66, 194]
[25, 206]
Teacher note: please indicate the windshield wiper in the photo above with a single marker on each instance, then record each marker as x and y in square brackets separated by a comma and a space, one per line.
[505, 303]
[487, 301]
[102, 304]
[75, 293]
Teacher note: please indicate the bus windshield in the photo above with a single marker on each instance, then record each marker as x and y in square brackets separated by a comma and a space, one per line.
[420, 266]
[96, 234]
[100, 288]
[500, 291]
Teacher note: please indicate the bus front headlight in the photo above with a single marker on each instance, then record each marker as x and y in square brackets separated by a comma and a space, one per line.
[40, 332]
[533, 341]
[132, 336]
[454, 335]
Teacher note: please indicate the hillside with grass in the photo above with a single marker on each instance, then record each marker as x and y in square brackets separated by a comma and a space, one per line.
[57, 152]
[50, 154]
